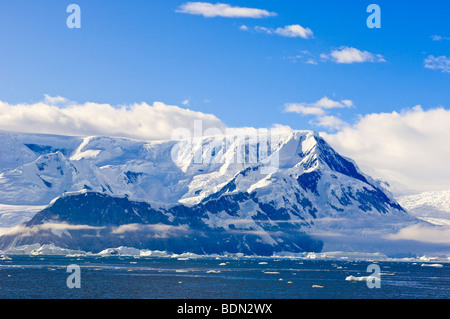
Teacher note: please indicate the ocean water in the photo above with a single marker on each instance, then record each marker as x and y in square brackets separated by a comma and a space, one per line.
[217, 278]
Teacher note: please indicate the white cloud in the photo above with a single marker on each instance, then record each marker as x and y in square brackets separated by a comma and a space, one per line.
[290, 31]
[439, 38]
[139, 120]
[323, 103]
[56, 228]
[348, 103]
[243, 27]
[327, 103]
[210, 10]
[438, 63]
[343, 55]
[349, 55]
[52, 100]
[422, 233]
[409, 149]
[185, 102]
[294, 31]
[330, 122]
[152, 230]
[263, 29]
[319, 109]
[311, 61]
[303, 109]
[303, 56]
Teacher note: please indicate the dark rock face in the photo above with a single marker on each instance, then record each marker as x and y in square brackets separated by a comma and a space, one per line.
[94, 221]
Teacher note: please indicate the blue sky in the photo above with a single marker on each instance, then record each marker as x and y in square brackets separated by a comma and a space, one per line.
[136, 51]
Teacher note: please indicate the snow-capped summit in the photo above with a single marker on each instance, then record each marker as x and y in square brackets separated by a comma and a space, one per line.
[169, 172]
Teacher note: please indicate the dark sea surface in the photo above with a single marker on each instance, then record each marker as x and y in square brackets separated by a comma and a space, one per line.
[38, 277]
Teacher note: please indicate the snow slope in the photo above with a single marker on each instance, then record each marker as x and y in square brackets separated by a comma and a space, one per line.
[433, 207]
[12, 215]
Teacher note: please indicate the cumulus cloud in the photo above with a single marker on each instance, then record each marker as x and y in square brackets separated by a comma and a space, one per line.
[57, 115]
[347, 55]
[290, 31]
[343, 55]
[438, 63]
[319, 110]
[210, 10]
[409, 149]
[294, 31]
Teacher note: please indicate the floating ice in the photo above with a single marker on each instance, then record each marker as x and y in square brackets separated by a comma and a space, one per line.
[354, 278]
[317, 286]
[37, 249]
[213, 271]
[271, 272]
[432, 265]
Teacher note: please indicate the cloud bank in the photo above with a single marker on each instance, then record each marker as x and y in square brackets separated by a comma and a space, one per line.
[151, 230]
[58, 115]
[423, 233]
[409, 149]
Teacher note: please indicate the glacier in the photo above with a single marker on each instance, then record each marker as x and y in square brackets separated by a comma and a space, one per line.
[235, 193]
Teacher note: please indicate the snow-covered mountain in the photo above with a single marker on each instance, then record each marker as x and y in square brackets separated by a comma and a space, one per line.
[243, 192]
